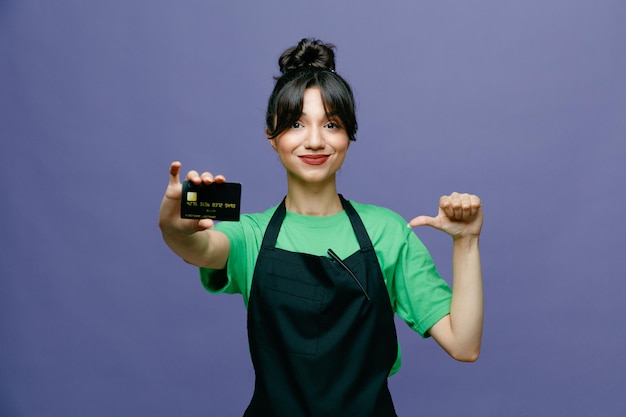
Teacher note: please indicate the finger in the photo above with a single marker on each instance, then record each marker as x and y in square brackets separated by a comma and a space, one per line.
[174, 171]
[445, 205]
[204, 224]
[457, 206]
[466, 206]
[219, 178]
[194, 177]
[422, 221]
[207, 178]
[476, 205]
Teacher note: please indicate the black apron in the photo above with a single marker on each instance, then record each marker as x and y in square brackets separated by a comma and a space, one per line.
[321, 331]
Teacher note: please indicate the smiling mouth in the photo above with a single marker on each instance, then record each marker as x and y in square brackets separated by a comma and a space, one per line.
[314, 159]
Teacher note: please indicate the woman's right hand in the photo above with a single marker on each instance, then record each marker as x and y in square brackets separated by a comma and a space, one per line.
[209, 249]
[170, 221]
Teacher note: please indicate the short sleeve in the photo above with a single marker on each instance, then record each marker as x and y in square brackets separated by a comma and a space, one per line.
[223, 280]
[422, 297]
[245, 238]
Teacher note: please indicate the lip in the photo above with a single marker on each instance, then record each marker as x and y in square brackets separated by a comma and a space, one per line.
[314, 159]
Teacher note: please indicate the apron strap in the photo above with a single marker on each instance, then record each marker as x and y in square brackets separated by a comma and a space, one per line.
[357, 224]
[273, 227]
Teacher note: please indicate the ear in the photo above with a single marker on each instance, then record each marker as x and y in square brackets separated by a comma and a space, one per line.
[270, 139]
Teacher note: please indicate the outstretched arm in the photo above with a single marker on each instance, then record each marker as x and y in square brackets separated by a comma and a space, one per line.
[192, 240]
[460, 332]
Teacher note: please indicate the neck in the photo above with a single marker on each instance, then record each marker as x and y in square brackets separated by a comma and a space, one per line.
[313, 200]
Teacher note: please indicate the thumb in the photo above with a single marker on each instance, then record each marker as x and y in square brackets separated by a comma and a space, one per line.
[204, 224]
[174, 170]
[422, 221]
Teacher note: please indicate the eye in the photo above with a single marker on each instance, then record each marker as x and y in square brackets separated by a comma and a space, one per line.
[333, 125]
[296, 125]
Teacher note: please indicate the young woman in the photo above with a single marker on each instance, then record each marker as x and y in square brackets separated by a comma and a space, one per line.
[322, 276]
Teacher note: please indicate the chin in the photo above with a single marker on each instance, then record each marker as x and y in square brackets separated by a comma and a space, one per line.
[314, 179]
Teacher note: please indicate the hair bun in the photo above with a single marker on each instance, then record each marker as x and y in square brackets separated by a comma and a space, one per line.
[309, 53]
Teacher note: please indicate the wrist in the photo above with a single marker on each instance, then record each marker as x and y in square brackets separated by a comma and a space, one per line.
[178, 234]
[466, 241]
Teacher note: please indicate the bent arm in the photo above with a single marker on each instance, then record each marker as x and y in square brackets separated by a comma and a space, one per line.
[460, 332]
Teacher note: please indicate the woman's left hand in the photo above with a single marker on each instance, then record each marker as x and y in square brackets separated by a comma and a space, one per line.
[460, 216]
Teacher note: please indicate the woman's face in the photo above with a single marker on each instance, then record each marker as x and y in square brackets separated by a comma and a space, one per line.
[314, 148]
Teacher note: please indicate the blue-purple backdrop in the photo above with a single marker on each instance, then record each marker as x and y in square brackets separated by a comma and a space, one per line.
[523, 103]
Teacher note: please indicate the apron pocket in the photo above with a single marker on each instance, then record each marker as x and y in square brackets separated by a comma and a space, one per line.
[292, 287]
[290, 315]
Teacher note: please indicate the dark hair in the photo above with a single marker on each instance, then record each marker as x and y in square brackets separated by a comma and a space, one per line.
[311, 63]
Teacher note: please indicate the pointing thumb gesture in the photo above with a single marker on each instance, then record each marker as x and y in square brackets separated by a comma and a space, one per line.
[460, 215]
[425, 221]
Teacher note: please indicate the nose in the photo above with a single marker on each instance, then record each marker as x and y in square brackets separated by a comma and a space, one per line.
[315, 139]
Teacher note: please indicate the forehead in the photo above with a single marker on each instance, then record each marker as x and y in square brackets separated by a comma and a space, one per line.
[312, 98]
[313, 103]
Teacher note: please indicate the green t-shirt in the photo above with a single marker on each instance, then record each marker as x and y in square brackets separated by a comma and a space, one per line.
[418, 294]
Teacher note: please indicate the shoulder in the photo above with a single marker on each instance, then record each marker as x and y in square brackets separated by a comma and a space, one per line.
[380, 218]
[258, 219]
[252, 223]
[387, 230]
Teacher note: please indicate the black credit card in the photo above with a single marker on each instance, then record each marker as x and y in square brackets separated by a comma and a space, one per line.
[217, 201]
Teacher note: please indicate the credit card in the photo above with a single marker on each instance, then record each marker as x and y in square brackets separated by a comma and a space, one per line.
[217, 201]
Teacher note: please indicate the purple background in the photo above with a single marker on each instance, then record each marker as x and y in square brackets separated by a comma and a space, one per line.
[523, 103]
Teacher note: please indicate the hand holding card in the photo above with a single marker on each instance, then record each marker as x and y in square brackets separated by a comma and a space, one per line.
[216, 201]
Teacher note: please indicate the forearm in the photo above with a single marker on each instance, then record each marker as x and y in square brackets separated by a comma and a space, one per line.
[193, 248]
[466, 309]
[203, 248]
